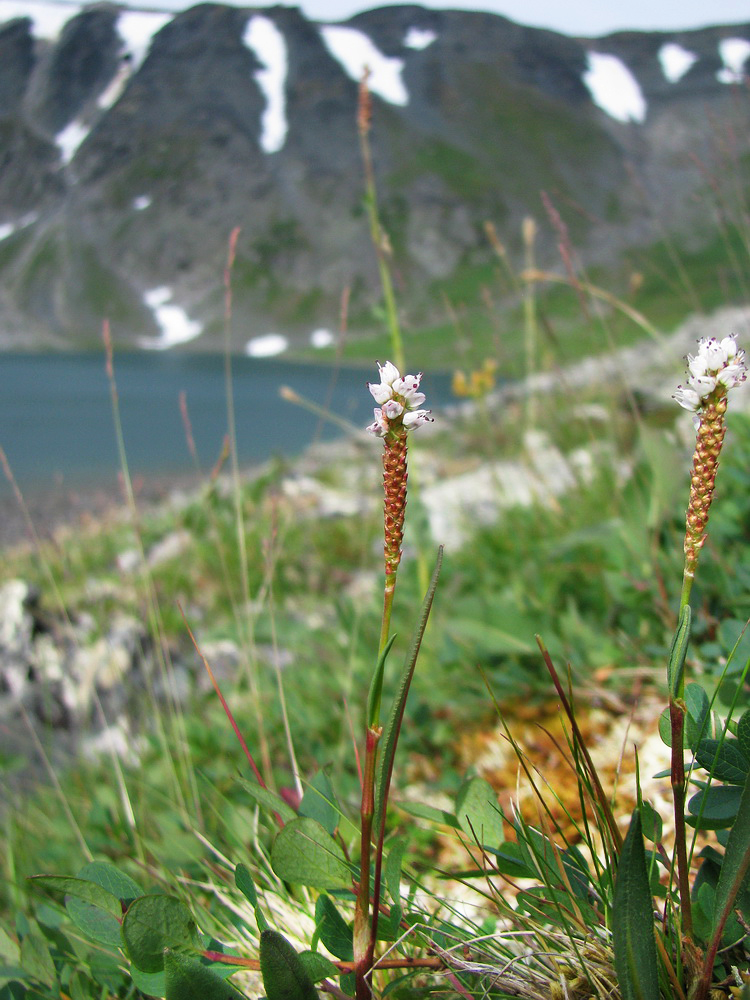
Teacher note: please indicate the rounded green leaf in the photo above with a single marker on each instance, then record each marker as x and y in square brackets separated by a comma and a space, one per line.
[723, 760]
[186, 979]
[154, 923]
[303, 853]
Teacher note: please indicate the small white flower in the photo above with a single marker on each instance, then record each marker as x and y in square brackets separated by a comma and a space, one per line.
[415, 418]
[732, 375]
[380, 425]
[392, 409]
[704, 385]
[697, 365]
[388, 372]
[713, 352]
[687, 397]
[380, 391]
[729, 346]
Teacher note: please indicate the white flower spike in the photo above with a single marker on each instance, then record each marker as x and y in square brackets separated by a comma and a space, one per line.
[399, 400]
[717, 364]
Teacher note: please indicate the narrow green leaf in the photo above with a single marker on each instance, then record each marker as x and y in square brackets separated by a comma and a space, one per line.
[284, 975]
[393, 727]
[333, 930]
[303, 853]
[319, 802]
[186, 979]
[423, 811]
[393, 866]
[82, 889]
[154, 923]
[375, 695]
[734, 868]
[633, 921]
[267, 799]
[478, 812]
[244, 882]
[676, 664]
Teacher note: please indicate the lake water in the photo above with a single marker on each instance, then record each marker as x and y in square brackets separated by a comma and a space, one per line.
[57, 428]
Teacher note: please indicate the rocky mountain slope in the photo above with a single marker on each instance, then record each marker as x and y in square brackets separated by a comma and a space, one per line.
[131, 144]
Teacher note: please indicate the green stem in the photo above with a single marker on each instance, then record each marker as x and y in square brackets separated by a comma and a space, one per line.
[687, 586]
[385, 626]
[677, 719]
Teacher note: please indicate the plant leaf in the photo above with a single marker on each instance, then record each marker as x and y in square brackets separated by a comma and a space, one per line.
[633, 921]
[186, 979]
[743, 734]
[36, 959]
[434, 815]
[478, 812]
[724, 760]
[333, 930]
[393, 865]
[267, 799]
[717, 804]
[284, 975]
[154, 923]
[676, 664]
[244, 882]
[734, 868]
[697, 717]
[319, 802]
[317, 966]
[303, 853]
[81, 888]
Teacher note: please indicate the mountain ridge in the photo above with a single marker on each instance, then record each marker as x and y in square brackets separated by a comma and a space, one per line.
[126, 165]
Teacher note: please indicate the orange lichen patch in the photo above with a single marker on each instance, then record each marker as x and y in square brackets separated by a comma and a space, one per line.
[546, 774]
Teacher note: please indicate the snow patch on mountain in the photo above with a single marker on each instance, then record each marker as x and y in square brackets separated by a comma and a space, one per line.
[356, 52]
[675, 61]
[70, 138]
[175, 324]
[734, 54]
[266, 346]
[614, 88]
[419, 38]
[267, 43]
[137, 29]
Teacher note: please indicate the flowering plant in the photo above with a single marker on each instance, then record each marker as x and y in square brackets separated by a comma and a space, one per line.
[400, 399]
